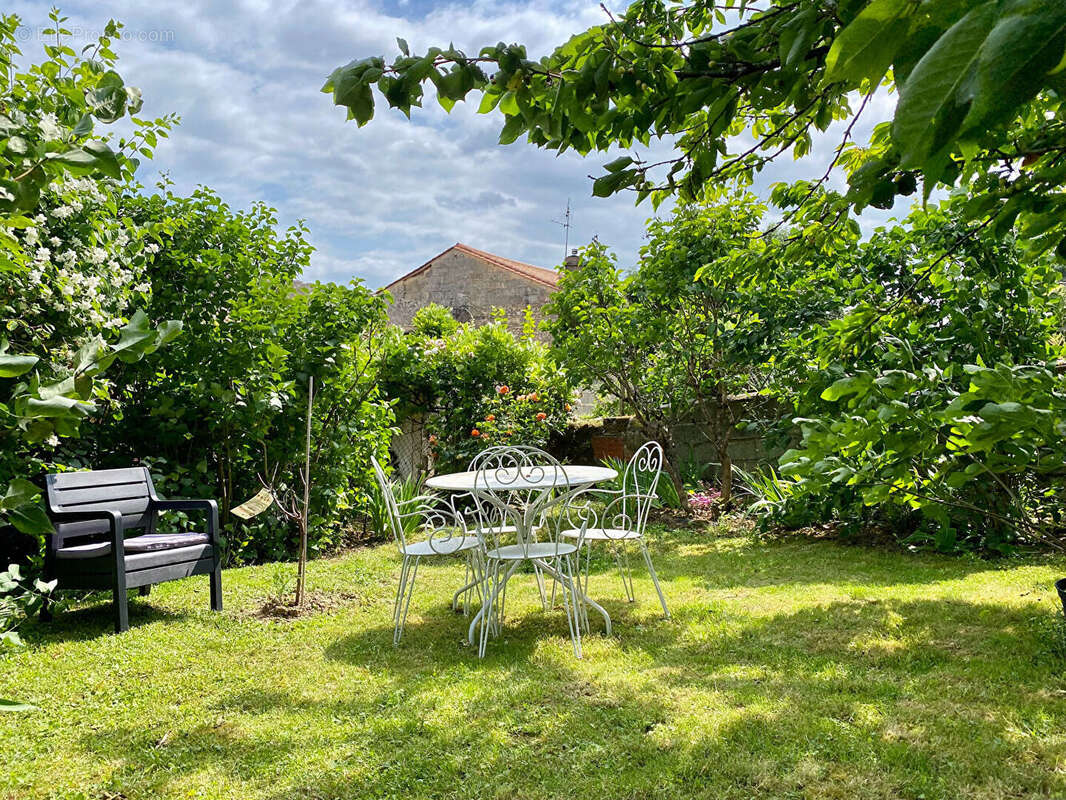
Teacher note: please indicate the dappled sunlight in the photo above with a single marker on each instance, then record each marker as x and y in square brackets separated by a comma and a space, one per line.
[936, 683]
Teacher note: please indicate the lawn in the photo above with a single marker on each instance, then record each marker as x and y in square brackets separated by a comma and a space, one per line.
[792, 668]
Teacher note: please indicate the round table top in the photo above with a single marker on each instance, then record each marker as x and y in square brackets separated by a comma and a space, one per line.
[532, 478]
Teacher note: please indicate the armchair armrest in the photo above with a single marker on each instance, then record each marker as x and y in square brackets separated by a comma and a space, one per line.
[114, 519]
[210, 506]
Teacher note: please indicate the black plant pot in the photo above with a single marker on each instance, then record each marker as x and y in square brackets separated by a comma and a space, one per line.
[1060, 585]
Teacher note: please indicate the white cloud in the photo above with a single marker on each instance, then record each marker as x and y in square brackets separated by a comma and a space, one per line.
[380, 200]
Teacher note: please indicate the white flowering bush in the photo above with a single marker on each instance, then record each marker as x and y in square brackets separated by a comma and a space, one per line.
[71, 268]
[87, 270]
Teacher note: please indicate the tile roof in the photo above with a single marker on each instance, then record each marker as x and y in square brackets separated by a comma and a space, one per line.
[545, 277]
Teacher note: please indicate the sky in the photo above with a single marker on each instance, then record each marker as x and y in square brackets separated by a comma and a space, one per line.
[245, 78]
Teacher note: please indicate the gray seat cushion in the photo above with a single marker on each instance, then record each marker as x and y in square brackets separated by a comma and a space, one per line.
[146, 543]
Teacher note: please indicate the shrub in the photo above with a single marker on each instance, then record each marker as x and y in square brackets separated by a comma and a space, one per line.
[225, 411]
[71, 268]
[476, 386]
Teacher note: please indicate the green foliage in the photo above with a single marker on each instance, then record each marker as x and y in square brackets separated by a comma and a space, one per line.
[944, 400]
[71, 267]
[981, 86]
[224, 408]
[19, 597]
[378, 512]
[696, 325]
[434, 321]
[666, 494]
[770, 493]
[475, 387]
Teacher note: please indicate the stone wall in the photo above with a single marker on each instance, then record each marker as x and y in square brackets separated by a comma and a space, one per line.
[619, 437]
[471, 288]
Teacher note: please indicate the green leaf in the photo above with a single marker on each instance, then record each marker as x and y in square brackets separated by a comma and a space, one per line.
[11, 366]
[512, 129]
[402, 44]
[613, 182]
[31, 519]
[84, 126]
[134, 335]
[104, 158]
[19, 492]
[618, 164]
[845, 386]
[108, 101]
[864, 49]
[1022, 48]
[14, 705]
[930, 110]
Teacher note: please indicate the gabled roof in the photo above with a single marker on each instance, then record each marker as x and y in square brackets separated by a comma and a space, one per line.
[539, 275]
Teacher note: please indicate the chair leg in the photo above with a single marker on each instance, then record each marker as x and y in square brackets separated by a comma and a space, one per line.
[120, 603]
[492, 591]
[571, 603]
[216, 588]
[585, 587]
[401, 588]
[413, 573]
[463, 591]
[654, 578]
[540, 586]
[408, 573]
[621, 557]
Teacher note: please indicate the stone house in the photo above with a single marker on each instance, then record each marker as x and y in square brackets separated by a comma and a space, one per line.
[472, 283]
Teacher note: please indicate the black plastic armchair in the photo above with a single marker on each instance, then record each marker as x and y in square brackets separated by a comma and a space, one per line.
[93, 512]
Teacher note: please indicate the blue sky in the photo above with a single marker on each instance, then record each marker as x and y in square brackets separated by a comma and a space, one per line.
[380, 200]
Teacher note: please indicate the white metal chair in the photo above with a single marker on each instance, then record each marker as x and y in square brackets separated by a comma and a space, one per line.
[623, 519]
[446, 535]
[513, 489]
[495, 519]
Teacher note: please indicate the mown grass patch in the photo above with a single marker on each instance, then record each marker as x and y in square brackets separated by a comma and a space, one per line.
[790, 669]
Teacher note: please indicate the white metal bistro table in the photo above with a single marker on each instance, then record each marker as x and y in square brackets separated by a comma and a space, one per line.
[574, 478]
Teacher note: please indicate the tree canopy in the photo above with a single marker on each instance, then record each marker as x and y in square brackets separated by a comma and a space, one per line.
[734, 84]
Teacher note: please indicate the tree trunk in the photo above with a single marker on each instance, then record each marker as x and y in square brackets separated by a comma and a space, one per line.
[301, 569]
[666, 439]
[726, 475]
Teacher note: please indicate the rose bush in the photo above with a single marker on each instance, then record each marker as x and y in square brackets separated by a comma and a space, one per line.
[475, 387]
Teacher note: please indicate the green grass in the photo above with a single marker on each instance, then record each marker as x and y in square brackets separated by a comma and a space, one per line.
[792, 669]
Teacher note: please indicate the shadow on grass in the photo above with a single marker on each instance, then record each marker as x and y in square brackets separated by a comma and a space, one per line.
[879, 699]
[93, 619]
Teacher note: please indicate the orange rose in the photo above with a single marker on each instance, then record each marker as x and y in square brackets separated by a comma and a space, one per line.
[475, 433]
[432, 439]
[490, 418]
[535, 397]
[503, 389]
[567, 406]
[541, 416]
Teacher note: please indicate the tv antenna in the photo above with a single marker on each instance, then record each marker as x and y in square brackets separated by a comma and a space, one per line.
[566, 223]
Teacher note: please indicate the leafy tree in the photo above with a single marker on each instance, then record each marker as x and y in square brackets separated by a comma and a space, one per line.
[953, 411]
[225, 409]
[694, 329]
[980, 89]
